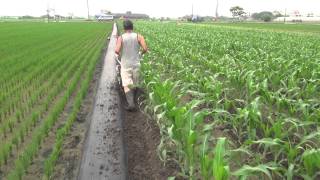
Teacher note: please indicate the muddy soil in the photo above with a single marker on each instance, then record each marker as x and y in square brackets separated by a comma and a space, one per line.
[68, 164]
[142, 137]
[36, 169]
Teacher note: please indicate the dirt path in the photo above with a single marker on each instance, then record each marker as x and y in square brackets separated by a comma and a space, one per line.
[142, 138]
[103, 156]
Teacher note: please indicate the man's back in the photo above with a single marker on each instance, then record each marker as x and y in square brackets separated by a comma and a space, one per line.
[130, 50]
[129, 45]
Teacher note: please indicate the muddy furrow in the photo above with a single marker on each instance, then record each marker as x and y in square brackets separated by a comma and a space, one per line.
[104, 154]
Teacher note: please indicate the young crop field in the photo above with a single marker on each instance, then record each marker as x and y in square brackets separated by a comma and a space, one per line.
[296, 28]
[43, 67]
[234, 103]
[231, 101]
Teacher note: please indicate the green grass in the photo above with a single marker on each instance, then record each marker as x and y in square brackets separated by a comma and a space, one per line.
[301, 28]
[41, 66]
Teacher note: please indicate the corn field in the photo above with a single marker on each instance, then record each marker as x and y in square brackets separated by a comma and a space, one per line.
[43, 67]
[234, 103]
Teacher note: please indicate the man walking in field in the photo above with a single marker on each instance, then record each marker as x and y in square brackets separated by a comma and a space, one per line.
[128, 45]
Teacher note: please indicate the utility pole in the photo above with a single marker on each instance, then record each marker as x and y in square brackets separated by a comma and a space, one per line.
[217, 15]
[48, 12]
[285, 15]
[88, 9]
[192, 11]
[54, 14]
[48, 15]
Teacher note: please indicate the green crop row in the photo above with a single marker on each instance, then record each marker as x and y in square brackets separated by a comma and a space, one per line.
[34, 93]
[234, 103]
[62, 132]
[38, 81]
[294, 28]
[24, 126]
[24, 160]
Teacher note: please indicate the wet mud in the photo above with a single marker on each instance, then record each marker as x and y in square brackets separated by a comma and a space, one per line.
[142, 137]
[103, 156]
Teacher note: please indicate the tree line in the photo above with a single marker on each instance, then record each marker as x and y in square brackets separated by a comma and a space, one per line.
[266, 16]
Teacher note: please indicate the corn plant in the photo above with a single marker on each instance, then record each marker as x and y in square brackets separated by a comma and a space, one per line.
[262, 89]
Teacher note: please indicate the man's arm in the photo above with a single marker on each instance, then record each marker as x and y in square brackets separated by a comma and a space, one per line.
[143, 44]
[118, 45]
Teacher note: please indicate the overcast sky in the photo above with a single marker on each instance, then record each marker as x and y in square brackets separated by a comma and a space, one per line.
[154, 8]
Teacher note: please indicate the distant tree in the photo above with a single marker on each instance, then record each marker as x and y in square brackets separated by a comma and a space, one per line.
[27, 17]
[255, 16]
[43, 16]
[265, 16]
[128, 12]
[237, 11]
[209, 18]
[277, 14]
[186, 18]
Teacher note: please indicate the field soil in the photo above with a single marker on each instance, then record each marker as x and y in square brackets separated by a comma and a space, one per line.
[67, 166]
[36, 169]
[142, 137]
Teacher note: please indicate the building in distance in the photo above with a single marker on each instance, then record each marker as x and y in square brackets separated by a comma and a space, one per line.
[108, 16]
